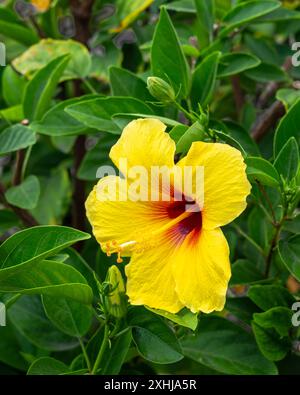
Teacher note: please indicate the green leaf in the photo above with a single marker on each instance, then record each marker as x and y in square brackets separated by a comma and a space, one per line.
[288, 127]
[12, 86]
[25, 195]
[11, 349]
[287, 161]
[28, 317]
[267, 72]
[167, 58]
[194, 133]
[11, 27]
[279, 318]
[69, 316]
[245, 272]
[177, 132]
[235, 63]
[271, 345]
[97, 113]
[204, 79]
[263, 171]
[39, 91]
[291, 225]
[97, 156]
[289, 251]
[57, 122]
[229, 140]
[126, 83]
[226, 347]
[246, 12]
[184, 318]
[13, 114]
[155, 341]
[282, 14]
[268, 296]
[117, 354]
[187, 6]
[55, 197]
[46, 278]
[8, 220]
[288, 97]
[242, 136]
[205, 21]
[36, 244]
[15, 138]
[47, 366]
[40, 55]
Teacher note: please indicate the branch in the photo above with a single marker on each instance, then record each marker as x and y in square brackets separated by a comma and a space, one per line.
[17, 179]
[267, 120]
[237, 93]
[27, 219]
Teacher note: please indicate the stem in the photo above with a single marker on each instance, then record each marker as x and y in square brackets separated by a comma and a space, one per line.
[89, 86]
[17, 179]
[102, 350]
[266, 196]
[25, 163]
[86, 357]
[185, 112]
[237, 93]
[253, 242]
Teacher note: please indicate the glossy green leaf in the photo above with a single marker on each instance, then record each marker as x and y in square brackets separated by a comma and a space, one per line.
[155, 341]
[69, 316]
[28, 317]
[288, 97]
[46, 366]
[46, 278]
[184, 317]
[194, 133]
[287, 161]
[272, 346]
[10, 26]
[204, 79]
[288, 127]
[291, 225]
[40, 55]
[245, 272]
[12, 86]
[269, 296]
[15, 138]
[57, 122]
[97, 113]
[226, 347]
[117, 354]
[289, 251]
[266, 72]
[25, 195]
[235, 63]
[263, 171]
[48, 240]
[205, 21]
[126, 83]
[279, 318]
[167, 59]
[40, 90]
[246, 12]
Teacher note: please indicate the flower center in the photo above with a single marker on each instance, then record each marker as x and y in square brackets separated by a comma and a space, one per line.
[183, 220]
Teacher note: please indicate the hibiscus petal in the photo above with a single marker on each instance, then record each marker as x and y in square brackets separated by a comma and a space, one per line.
[144, 143]
[226, 186]
[122, 221]
[201, 271]
[149, 278]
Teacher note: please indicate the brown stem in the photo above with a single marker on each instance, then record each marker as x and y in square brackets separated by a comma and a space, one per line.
[25, 216]
[37, 27]
[17, 179]
[237, 93]
[264, 193]
[267, 120]
[82, 11]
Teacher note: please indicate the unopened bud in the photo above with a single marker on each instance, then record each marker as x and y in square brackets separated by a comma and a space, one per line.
[116, 302]
[161, 90]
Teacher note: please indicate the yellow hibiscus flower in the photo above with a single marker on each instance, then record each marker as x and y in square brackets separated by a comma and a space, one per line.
[41, 5]
[178, 258]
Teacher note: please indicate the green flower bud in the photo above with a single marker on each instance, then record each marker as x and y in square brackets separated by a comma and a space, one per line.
[161, 90]
[116, 301]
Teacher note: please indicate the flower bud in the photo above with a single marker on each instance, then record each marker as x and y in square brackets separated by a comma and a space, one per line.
[116, 302]
[161, 90]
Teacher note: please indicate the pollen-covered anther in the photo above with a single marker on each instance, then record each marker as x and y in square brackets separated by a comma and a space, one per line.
[119, 260]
